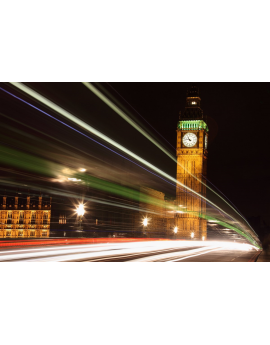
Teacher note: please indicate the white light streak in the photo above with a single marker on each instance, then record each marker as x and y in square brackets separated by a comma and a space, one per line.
[94, 252]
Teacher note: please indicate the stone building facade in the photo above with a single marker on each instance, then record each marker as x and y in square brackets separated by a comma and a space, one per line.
[25, 217]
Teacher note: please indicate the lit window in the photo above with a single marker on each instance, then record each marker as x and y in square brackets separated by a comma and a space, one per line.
[45, 218]
[62, 219]
[9, 218]
[33, 218]
[21, 217]
[193, 102]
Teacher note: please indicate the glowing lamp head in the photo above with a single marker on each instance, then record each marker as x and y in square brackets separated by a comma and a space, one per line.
[203, 238]
[175, 230]
[192, 235]
[80, 210]
[145, 221]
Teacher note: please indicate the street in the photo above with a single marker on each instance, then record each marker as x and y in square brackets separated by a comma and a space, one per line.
[139, 251]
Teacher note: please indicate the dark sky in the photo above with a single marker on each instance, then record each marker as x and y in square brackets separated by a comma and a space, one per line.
[238, 119]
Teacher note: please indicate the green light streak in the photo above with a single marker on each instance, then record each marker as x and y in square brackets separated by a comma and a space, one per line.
[26, 161]
[92, 130]
[227, 225]
[119, 190]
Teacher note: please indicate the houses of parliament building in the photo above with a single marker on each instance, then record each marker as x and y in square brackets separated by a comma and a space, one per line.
[25, 217]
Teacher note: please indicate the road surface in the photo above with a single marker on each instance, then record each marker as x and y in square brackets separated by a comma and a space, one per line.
[139, 251]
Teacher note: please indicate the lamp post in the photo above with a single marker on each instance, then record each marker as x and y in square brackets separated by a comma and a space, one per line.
[80, 212]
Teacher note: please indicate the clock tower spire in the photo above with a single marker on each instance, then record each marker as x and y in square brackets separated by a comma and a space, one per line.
[192, 137]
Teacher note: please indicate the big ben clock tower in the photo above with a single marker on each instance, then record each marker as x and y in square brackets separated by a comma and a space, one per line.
[192, 138]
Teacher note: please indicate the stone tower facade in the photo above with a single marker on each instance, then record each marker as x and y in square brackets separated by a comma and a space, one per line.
[191, 151]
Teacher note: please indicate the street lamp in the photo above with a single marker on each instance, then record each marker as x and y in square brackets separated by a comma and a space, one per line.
[175, 230]
[145, 223]
[80, 212]
[192, 235]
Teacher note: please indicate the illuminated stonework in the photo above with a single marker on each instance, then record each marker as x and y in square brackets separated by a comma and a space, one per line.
[25, 219]
[193, 125]
[191, 170]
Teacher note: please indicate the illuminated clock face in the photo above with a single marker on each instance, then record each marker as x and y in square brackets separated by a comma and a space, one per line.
[189, 139]
[205, 142]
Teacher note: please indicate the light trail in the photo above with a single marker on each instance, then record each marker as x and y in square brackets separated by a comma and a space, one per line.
[201, 253]
[150, 250]
[89, 128]
[169, 257]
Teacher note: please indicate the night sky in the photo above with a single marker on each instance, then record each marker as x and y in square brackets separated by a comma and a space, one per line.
[237, 115]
